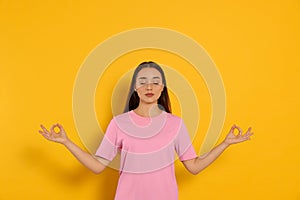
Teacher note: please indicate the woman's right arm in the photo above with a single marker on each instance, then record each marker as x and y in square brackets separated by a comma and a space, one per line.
[88, 160]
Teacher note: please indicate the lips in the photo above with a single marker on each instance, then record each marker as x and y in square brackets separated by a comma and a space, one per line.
[149, 94]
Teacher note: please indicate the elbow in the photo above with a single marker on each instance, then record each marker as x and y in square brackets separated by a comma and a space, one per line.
[197, 168]
[98, 170]
[99, 167]
[195, 172]
[193, 166]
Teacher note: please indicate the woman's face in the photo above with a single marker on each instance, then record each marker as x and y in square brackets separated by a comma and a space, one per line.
[149, 85]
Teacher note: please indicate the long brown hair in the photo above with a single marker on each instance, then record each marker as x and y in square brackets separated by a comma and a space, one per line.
[133, 99]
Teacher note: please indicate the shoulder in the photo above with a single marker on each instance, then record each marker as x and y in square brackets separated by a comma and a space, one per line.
[121, 120]
[122, 115]
[174, 118]
[118, 118]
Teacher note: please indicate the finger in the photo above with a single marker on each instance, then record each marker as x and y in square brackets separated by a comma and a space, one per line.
[52, 128]
[232, 128]
[45, 135]
[60, 127]
[247, 132]
[249, 129]
[40, 131]
[45, 130]
[240, 130]
[247, 136]
[250, 134]
[245, 139]
[48, 137]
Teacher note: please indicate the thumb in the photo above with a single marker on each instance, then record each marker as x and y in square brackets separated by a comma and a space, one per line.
[232, 128]
[60, 127]
[52, 128]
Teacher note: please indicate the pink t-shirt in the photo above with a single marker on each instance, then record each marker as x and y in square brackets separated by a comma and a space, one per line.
[147, 146]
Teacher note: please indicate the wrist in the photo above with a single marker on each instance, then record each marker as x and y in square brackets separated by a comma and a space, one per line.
[225, 144]
[66, 142]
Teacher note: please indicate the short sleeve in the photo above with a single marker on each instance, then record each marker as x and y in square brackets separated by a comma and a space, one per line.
[183, 144]
[109, 145]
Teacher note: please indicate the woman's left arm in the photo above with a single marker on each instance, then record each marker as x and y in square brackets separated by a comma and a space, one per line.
[198, 164]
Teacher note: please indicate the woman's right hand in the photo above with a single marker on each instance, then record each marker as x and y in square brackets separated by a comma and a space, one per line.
[60, 137]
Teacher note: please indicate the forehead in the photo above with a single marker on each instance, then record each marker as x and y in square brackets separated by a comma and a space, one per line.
[149, 72]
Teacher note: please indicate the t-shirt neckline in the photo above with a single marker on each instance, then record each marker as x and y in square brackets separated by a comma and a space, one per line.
[143, 117]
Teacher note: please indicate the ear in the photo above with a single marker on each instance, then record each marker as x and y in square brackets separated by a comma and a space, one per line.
[162, 88]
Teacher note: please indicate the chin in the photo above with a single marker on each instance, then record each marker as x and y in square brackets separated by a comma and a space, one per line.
[148, 101]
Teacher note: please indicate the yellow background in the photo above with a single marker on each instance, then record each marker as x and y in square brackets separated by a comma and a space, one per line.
[255, 45]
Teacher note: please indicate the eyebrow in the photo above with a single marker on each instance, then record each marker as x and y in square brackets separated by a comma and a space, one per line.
[155, 77]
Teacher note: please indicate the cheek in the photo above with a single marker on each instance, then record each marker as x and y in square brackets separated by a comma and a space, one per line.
[159, 90]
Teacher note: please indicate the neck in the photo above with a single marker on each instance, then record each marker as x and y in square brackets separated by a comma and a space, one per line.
[148, 110]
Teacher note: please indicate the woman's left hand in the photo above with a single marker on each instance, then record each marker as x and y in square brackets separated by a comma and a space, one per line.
[231, 138]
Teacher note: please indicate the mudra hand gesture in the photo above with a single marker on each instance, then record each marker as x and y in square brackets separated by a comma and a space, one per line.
[231, 138]
[60, 137]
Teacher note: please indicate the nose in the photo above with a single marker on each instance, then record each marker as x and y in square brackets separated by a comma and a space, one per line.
[149, 86]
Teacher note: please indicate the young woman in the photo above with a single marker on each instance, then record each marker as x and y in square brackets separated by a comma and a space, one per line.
[146, 135]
